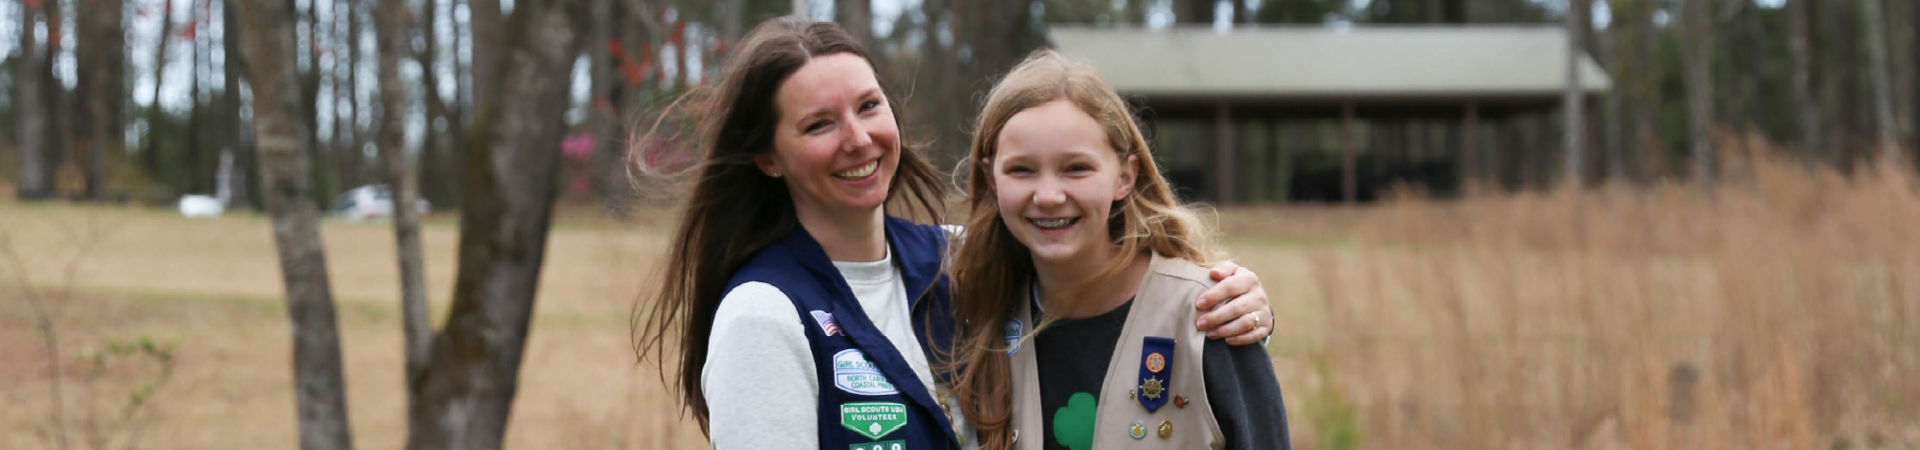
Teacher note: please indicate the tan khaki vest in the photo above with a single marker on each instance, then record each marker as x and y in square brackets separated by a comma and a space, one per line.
[1162, 307]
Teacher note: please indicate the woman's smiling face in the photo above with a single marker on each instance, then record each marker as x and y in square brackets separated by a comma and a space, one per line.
[837, 145]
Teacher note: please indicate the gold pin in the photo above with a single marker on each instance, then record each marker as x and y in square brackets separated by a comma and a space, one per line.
[1152, 389]
[1166, 429]
[1129, 394]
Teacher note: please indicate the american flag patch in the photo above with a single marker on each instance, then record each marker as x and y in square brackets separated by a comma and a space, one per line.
[827, 325]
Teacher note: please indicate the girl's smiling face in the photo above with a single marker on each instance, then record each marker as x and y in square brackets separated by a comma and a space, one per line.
[1057, 179]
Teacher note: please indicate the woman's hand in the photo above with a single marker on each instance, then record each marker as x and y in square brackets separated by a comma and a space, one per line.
[1245, 317]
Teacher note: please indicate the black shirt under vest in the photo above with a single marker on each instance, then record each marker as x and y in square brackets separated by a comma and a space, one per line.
[1073, 354]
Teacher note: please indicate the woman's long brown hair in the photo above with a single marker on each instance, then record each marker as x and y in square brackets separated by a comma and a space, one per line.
[733, 210]
[991, 268]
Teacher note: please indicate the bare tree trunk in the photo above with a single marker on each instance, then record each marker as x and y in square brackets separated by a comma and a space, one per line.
[192, 162]
[59, 135]
[484, 25]
[678, 39]
[1806, 106]
[1573, 104]
[1840, 27]
[857, 17]
[1888, 131]
[246, 164]
[338, 74]
[1193, 12]
[734, 13]
[30, 108]
[319, 389]
[1697, 47]
[1913, 74]
[1734, 46]
[1647, 144]
[433, 171]
[347, 141]
[602, 117]
[100, 52]
[1613, 138]
[998, 40]
[152, 154]
[320, 169]
[415, 321]
[465, 396]
[640, 34]
[461, 114]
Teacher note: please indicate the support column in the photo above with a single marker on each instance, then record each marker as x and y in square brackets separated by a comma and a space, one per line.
[1470, 148]
[1282, 162]
[1349, 185]
[1223, 153]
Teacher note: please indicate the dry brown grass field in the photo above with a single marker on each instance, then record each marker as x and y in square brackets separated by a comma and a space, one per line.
[1780, 311]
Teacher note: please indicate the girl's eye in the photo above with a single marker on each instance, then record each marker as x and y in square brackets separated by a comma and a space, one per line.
[1018, 170]
[1079, 168]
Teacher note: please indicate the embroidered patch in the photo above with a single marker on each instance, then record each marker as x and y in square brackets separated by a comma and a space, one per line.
[882, 445]
[1073, 424]
[873, 419]
[854, 373]
[827, 325]
[1013, 336]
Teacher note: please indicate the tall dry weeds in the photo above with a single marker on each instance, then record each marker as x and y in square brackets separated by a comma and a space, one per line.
[1780, 310]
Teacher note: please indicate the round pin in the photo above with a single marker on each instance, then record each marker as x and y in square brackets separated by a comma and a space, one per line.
[1155, 362]
[1166, 429]
[1139, 430]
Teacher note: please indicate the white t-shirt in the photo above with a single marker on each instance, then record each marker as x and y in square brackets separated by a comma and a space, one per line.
[758, 358]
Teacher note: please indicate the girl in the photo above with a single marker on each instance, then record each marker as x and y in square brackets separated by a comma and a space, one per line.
[1071, 226]
[801, 313]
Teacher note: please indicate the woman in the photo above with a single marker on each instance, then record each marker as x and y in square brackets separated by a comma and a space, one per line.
[1072, 227]
[802, 313]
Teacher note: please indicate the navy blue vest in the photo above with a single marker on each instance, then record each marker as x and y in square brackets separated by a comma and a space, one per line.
[869, 396]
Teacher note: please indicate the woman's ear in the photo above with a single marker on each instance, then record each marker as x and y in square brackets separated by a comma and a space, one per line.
[764, 161]
[1128, 171]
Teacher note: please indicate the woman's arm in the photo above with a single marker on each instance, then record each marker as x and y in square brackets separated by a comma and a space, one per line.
[1245, 317]
[1245, 396]
[759, 380]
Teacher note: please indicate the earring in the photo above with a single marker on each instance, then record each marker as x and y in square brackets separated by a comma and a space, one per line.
[774, 174]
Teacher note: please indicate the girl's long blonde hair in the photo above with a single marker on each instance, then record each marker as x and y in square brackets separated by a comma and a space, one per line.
[991, 268]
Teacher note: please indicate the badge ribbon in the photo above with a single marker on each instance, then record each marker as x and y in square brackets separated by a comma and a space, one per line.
[1156, 357]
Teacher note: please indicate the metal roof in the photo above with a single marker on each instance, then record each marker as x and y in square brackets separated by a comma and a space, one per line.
[1321, 62]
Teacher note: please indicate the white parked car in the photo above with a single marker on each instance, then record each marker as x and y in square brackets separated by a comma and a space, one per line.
[369, 202]
[201, 206]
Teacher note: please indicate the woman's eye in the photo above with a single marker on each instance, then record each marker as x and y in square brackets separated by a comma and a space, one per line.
[869, 105]
[816, 126]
